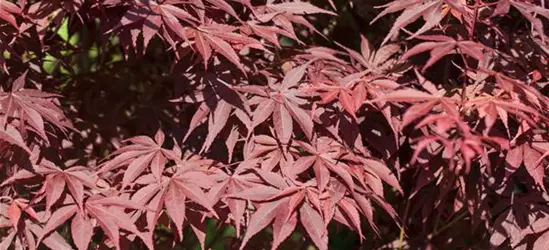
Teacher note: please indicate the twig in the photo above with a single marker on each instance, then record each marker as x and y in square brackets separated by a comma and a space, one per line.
[404, 219]
[450, 224]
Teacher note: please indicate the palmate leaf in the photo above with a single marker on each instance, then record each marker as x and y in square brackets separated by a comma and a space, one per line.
[531, 12]
[281, 101]
[376, 61]
[144, 153]
[440, 46]
[55, 186]
[31, 230]
[221, 39]
[432, 11]
[33, 107]
[281, 206]
[177, 191]
[153, 16]
[112, 221]
[343, 91]
[187, 183]
[216, 107]
[493, 107]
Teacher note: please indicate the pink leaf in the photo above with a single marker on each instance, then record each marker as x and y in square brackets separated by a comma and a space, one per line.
[261, 218]
[302, 118]
[135, 168]
[195, 194]
[175, 205]
[314, 225]
[407, 95]
[223, 48]
[282, 123]
[262, 112]
[82, 231]
[12, 136]
[58, 218]
[282, 229]
[14, 214]
[300, 8]
[55, 187]
[384, 173]
[293, 76]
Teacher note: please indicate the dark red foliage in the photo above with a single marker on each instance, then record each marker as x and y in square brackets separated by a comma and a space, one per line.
[122, 118]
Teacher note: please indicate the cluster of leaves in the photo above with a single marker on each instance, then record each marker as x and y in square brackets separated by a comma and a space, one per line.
[446, 123]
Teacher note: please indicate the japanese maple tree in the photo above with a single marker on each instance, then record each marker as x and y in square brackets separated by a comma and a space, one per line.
[274, 124]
